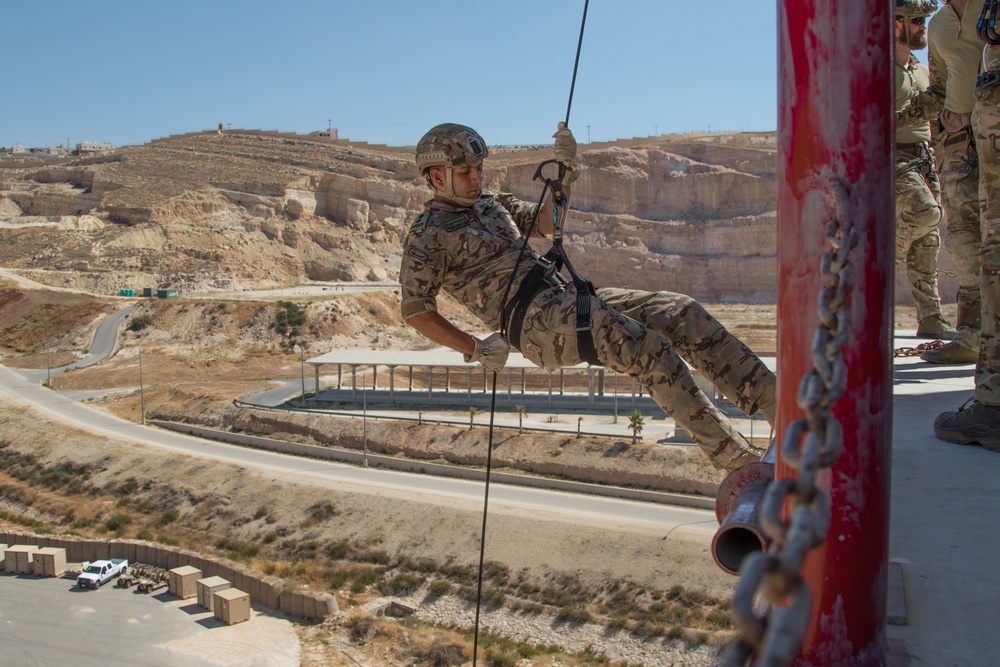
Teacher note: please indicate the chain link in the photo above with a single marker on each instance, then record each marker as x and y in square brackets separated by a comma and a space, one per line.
[918, 350]
[773, 638]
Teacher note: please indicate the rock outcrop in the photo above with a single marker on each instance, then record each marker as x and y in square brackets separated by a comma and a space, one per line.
[693, 214]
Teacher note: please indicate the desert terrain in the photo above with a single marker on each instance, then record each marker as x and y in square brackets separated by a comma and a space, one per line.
[216, 216]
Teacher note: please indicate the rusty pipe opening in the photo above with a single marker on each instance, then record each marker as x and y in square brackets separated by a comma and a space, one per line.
[737, 538]
[737, 508]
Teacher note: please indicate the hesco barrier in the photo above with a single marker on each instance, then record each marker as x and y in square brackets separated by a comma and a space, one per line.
[270, 592]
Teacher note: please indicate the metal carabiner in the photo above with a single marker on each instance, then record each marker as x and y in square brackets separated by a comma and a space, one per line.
[986, 27]
[559, 200]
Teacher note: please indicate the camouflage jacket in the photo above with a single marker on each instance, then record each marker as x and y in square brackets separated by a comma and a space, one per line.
[469, 252]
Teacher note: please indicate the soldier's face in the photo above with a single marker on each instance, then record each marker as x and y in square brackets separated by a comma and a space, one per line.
[912, 32]
[468, 181]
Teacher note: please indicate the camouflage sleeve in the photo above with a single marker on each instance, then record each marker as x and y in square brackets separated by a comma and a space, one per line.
[926, 106]
[421, 272]
[922, 108]
[521, 212]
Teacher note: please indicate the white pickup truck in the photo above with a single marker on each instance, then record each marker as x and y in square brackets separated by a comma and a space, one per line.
[101, 571]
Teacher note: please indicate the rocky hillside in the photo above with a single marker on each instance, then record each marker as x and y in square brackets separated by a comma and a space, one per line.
[256, 210]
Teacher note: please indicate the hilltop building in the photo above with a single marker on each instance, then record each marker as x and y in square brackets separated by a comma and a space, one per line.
[93, 148]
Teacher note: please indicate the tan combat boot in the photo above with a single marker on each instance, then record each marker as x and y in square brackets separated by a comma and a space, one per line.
[935, 327]
[951, 353]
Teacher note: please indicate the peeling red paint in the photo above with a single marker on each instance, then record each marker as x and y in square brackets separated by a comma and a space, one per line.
[835, 126]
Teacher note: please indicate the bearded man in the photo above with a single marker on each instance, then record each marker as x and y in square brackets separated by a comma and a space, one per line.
[918, 192]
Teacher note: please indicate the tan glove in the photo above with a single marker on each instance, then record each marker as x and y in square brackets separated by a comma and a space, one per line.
[491, 353]
[565, 152]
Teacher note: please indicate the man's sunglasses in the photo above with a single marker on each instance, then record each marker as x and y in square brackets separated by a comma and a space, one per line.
[917, 20]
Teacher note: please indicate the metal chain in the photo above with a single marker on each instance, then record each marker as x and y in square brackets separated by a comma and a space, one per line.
[774, 638]
[918, 350]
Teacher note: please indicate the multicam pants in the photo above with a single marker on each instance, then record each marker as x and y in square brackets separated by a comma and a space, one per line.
[958, 167]
[918, 216]
[986, 121]
[640, 334]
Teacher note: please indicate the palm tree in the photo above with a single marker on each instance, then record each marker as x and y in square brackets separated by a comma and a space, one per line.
[635, 423]
[521, 410]
[472, 415]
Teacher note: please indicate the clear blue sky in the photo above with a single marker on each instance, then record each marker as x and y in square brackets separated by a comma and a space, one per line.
[383, 70]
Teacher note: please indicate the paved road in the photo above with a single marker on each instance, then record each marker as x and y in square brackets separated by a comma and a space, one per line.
[101, 346]
[335, 475]
[66, 408]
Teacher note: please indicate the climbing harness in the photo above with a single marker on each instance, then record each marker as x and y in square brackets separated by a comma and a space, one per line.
[559, 202]
[924, 160]
[810, 444]
[537, 280]
[986, 27]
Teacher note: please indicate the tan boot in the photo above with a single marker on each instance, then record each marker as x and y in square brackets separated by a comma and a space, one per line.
[935, 327]
[951, 353]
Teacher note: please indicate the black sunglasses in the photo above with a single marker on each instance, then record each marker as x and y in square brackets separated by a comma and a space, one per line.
[918, 20]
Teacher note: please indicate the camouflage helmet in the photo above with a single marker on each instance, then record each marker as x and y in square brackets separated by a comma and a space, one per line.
[450, 145]
[915, 8]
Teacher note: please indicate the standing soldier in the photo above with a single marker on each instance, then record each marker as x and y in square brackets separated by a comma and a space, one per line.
[978, 421]
[470, 244]
[955, 52]
[918, 208]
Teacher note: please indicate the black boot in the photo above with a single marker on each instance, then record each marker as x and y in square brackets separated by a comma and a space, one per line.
[973, 424]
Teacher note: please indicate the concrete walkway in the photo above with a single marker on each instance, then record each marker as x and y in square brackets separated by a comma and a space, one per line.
[944, 522]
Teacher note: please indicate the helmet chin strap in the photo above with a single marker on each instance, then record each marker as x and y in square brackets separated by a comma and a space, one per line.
[449, 191]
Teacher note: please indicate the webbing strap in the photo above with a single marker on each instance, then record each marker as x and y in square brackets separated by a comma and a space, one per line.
[515, 309]
[584, 324]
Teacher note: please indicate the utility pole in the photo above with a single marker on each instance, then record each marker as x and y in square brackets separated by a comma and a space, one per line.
[302, 358]
[329, 124]
[142, 398]
[616, 397]
[48, 365]
[364, 427]
[588, 134]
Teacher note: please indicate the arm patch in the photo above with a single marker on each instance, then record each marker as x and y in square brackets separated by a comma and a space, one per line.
[419, 255]
[422, 220]
[454, 221]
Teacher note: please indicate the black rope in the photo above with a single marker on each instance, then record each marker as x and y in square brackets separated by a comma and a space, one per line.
[576, 64]
[503, 330]
[486, 505]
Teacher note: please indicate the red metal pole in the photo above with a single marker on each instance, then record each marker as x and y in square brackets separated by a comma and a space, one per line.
[836, 126]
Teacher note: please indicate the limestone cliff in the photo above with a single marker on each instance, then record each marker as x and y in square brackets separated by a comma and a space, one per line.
[256, 210]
